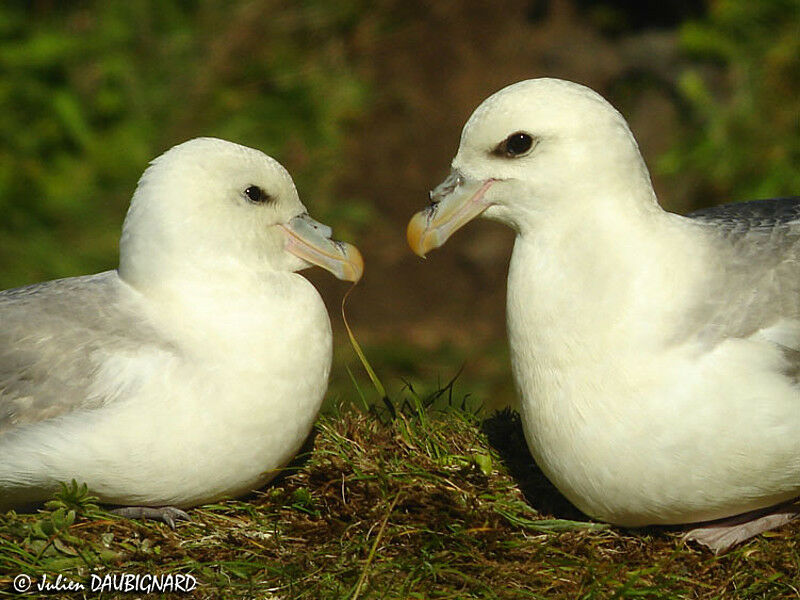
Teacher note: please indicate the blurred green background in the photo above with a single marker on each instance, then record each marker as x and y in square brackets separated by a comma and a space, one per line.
[91, 91]
[363, 102]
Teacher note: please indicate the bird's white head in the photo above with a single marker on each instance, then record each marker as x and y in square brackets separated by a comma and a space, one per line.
[534, 147]
[212, 205]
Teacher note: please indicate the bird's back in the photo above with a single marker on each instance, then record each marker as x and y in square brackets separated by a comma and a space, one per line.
[54, 337]
[756, 281]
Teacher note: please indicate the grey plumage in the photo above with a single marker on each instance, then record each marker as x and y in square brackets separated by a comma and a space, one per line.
[754, 214]
[53, 338]
[755, 282]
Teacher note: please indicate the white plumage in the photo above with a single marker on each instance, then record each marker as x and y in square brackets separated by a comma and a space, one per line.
[196, 369]
[656, 355]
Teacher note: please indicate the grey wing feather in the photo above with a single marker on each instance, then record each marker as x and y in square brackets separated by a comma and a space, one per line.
[756, 281]
[53, 338]
[752, 215]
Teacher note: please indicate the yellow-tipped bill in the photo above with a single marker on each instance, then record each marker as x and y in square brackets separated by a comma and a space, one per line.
[455, 202]
[311, 241]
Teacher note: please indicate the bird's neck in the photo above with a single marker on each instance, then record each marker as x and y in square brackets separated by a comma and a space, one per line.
[231, 308]
[596, 288]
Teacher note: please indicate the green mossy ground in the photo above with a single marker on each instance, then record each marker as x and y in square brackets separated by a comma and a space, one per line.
[428, 503]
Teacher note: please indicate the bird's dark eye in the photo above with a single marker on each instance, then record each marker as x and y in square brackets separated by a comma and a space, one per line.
[256, 195]
[515, 144]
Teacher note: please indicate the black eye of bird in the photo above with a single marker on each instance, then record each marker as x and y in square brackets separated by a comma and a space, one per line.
[256, 194]
[516, 144]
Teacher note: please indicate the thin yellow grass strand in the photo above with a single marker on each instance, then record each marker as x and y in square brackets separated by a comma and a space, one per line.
[368, 367]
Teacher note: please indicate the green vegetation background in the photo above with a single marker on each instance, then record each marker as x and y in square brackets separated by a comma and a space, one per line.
[91, 91]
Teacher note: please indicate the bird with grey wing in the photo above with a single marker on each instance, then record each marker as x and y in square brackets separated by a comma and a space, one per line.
[195, 370]
[656, 355]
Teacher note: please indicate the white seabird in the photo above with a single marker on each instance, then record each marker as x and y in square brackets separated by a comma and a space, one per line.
[196, 369]
[656, 355]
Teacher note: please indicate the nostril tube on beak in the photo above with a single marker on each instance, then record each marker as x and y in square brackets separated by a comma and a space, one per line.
[447, 187]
